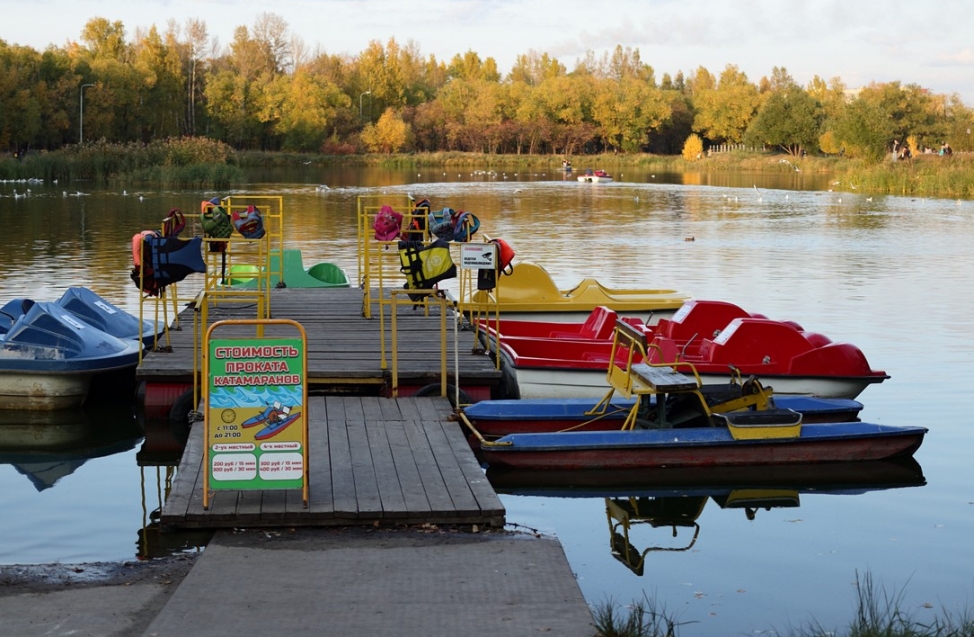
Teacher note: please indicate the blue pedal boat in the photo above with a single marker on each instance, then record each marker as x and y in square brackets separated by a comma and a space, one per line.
[768, 443]
[48, 357]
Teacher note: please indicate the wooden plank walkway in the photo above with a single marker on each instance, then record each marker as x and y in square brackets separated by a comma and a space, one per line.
[371, 461]
[344, 348]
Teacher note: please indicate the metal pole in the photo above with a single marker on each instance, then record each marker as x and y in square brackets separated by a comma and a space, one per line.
[360, 103]
[81, 114]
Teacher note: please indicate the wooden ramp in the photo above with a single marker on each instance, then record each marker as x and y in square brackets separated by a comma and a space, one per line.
[372, 461]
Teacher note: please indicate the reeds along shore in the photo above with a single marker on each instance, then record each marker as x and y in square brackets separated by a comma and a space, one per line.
[202, 163]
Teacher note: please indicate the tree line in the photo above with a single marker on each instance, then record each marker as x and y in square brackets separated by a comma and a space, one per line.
[266, 91]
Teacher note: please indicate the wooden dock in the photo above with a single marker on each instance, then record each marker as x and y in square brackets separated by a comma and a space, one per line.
[344, 350]
[372, 461]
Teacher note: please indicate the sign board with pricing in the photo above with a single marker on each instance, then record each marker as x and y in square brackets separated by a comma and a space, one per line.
[255, 411]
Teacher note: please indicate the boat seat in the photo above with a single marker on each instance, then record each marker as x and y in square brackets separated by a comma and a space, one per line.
[598, 326]
[663, 379]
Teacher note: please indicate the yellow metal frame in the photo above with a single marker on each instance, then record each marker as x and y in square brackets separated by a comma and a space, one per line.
[626, 379]
[436, 297]
[259, 324]
[239, 250]
[377, 260]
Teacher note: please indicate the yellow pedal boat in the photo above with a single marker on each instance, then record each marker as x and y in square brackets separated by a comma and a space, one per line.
[531, 293]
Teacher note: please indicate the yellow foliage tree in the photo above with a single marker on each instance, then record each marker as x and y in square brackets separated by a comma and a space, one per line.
[388, 135]
[693, 148]
[913, 145]
[829, 144]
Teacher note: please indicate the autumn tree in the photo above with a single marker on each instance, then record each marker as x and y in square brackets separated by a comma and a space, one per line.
[627, 111]
[693, 148]
[388, 135]
[725, 112]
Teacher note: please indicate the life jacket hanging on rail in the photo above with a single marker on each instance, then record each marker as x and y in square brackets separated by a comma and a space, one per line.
[249, 223]
[160, 261]
[387, 224]
[425, 265]
[416, 230]
[216, 223]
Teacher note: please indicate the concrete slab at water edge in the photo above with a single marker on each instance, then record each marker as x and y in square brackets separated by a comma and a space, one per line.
[422, 582]
[87, 600]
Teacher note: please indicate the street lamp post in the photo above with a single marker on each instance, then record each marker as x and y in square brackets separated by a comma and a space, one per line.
[81, 114]
[360, 103]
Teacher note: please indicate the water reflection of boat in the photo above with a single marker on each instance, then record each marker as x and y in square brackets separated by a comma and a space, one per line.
[47, 446]
[675, 498]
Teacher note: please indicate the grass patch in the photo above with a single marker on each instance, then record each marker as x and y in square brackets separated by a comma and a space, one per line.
[878, 614]
[643, 618]
[191, 162]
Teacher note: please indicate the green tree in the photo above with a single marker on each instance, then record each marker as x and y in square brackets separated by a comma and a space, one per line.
[163, 86]
[790, 119]
[673, 132]
[22, 94]
[911, 110]
[304, 109]
[105, 40]
[864, 129]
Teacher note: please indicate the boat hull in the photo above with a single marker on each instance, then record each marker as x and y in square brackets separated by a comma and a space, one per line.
[565, 382]
[698, 447]
[495, 418]
[40, 391]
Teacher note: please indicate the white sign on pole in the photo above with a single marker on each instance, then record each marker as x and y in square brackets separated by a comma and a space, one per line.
[478, 256]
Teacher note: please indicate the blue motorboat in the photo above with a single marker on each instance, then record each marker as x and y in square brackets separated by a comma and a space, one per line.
[48, 357]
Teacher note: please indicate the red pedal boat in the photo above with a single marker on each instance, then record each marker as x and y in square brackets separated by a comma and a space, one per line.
[714, 336]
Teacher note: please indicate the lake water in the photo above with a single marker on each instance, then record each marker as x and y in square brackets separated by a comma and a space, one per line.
[890, 274]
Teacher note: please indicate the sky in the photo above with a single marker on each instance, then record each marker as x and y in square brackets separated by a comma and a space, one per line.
[928, 43]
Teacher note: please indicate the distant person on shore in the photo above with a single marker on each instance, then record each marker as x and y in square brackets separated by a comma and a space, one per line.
[945, 149]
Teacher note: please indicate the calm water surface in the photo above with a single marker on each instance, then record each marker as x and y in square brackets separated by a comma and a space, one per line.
[890, 274]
